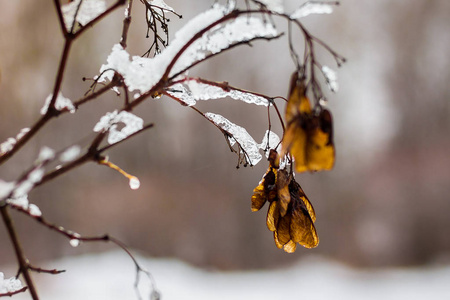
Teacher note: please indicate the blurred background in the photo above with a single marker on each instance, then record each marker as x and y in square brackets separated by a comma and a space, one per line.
[386, 203]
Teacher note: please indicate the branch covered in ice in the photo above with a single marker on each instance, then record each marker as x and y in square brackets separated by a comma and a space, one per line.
[198, 89]
[142, 73]
[61, 103]
[109, 122]
[86, 12]
[237, 134]
[313, 7]
[331, 78]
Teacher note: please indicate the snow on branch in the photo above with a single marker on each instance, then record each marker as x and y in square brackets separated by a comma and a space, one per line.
[84, 12]
[9, 286]
[142, 73]
[60, 104]
[330, 78]
[314, 7]
[238, 134]
[109, 122]
[198, 89]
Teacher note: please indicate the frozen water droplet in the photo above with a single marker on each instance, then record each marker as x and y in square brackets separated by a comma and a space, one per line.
[74, 242]
[134, 183]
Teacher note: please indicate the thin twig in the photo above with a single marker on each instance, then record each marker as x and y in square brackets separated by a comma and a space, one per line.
[21, 259]
[10, 294]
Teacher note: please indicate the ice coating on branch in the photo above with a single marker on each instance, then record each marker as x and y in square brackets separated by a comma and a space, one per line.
[243, 28]
[141, 74]
[9, 285]
[331, 78]
[180, 92]
[239, 135]
[61, 103]
[8, 145]
[70, 154]
[89, 10]
[110, 121]
[202, 91]
[161, 4]
[312, 8]
[273, 5]
[270, 141]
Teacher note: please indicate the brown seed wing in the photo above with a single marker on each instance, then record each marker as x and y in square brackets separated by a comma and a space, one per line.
[284, 196]
[302, 229]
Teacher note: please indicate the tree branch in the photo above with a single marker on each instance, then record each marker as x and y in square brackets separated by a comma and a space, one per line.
[23, 263]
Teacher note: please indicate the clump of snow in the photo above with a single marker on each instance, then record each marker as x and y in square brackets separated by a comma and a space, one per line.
[331, 78]
[22, 202]
[202, 91]
[9, 285]
[89, 10]
[46, 154]
[141, 74]
[8, 145]
[309, 8]
[61, 103]
[70, 154]
[110, 122]
[240, 135]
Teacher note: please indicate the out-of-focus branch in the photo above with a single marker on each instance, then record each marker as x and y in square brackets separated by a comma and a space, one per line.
[10, 294]
[126, 25]
[23, 263]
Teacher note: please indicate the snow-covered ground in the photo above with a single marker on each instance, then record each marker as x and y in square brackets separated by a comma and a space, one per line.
[111, 276]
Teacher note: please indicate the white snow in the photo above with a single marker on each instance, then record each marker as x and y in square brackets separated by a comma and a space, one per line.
[111, 276]
[8, 145]
[70, 154]
[202, 91]
[272, 140]
[9, 284]
[312, 8]
[22, 201]
[89, 10]
[110, 121]
[141, 74]
[331, 78]
[61, 103]
[239, 134]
